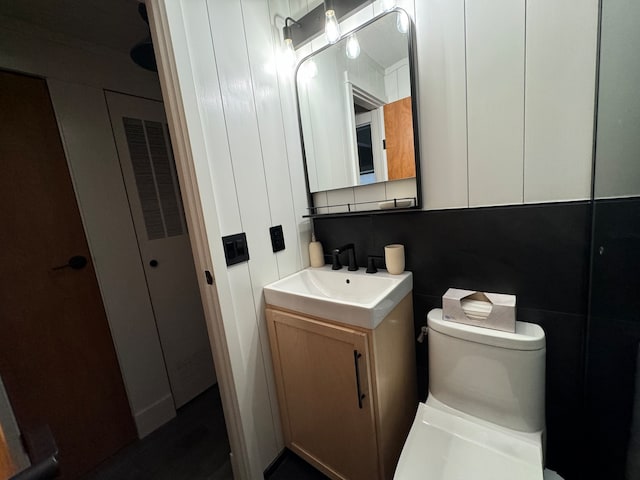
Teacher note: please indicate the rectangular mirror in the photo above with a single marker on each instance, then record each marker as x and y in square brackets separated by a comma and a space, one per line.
[357, 110]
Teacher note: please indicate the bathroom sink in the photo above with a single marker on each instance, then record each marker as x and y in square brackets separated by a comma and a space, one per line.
[354, 298]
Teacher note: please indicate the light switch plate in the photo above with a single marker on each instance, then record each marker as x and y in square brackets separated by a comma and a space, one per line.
[236, 249]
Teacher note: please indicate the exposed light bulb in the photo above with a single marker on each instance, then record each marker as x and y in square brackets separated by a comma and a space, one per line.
[289, 56]
[308, 70]
[388, 5]
[353, 47]
[403, 22]
[331, 27]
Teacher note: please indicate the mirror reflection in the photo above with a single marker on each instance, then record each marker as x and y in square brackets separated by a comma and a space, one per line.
[355, 107]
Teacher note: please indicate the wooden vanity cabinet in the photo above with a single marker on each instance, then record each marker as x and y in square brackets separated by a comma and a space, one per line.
[347, 395]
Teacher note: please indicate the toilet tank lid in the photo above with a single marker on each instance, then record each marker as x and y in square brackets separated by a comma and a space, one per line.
[528, 336]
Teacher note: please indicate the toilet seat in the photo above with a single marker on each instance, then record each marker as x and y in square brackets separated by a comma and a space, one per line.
[445, 444]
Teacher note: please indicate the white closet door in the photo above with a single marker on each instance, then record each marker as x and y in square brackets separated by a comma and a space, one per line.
[148, 168]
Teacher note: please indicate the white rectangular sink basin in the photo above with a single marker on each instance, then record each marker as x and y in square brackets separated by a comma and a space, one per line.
[354, 298]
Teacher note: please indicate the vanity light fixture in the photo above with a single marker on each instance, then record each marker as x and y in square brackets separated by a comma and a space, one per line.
[388, 5]
[403, 22]
[289, 51]
[331, 26]
[308, 70]
[353, 47]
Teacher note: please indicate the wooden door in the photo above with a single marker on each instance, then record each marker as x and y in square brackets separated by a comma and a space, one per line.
[148, 168]
[315, 365]
[57, 358]
[398, 130]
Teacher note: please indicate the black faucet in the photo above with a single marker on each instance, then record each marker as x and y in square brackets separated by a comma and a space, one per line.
[335, 254]
[371, 263]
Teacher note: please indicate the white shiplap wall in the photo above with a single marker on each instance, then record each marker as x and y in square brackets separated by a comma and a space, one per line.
[495, 100]
[440, 38]
[250, 177]
[561, 45]
[506, 100]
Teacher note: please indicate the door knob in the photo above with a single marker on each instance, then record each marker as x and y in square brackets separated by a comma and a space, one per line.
[77, 262]
[153, 263]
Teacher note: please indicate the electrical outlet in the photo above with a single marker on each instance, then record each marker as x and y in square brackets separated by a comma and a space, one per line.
[277, 238]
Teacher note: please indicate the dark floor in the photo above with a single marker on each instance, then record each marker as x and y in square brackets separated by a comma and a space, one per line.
[291, 467]
[192, 446]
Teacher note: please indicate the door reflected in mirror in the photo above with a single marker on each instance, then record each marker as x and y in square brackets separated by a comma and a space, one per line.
[356, 107]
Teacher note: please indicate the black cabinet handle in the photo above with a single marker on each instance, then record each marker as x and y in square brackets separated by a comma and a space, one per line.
[153, 263]
[77, 262]
[356, 357]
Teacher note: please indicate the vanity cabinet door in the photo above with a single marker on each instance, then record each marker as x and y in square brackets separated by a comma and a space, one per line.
[322, 373]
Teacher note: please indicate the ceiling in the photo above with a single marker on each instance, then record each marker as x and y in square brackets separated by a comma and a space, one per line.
[382, 41]
[115, 24]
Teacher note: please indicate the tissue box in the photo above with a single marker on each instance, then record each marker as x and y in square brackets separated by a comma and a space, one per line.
[501, 317]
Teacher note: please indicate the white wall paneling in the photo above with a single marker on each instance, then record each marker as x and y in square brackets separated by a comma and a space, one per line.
[441, 78]
[278, 10]
[225, 56]
[397, 189]
[340, 198]
[397, 81]
[617, 165]
[358, 18]
[369, 193]
[320, 201]
[495, 100]
[239, 98]
[298, 8]
[194, 108]
[239, 185]
[283, 171]
[561, 49]
[327, 96]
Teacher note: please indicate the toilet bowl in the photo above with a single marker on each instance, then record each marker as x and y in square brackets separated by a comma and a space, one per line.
[484, 416]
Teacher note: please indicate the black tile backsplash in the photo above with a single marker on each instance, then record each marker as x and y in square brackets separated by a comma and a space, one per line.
[613, 353]
[540, 253]
[616, 273]
[614, 336]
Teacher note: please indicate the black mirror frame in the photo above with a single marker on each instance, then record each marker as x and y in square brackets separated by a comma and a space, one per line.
[414, 114]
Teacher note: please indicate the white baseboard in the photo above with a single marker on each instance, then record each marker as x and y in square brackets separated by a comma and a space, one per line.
[154, 416]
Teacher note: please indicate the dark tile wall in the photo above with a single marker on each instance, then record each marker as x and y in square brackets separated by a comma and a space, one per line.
[614, 334]
[538, 252]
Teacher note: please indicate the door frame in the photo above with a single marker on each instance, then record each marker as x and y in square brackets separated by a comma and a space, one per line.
[183, 155]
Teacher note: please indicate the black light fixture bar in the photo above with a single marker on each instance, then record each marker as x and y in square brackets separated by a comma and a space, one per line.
[312, 24]
[286, 30]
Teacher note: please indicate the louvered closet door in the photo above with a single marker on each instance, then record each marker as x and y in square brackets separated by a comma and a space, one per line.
[149, 173]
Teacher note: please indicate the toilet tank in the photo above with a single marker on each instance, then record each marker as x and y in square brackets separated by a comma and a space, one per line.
[493, 375]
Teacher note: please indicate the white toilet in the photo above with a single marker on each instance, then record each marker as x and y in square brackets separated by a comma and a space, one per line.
[484, 418]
